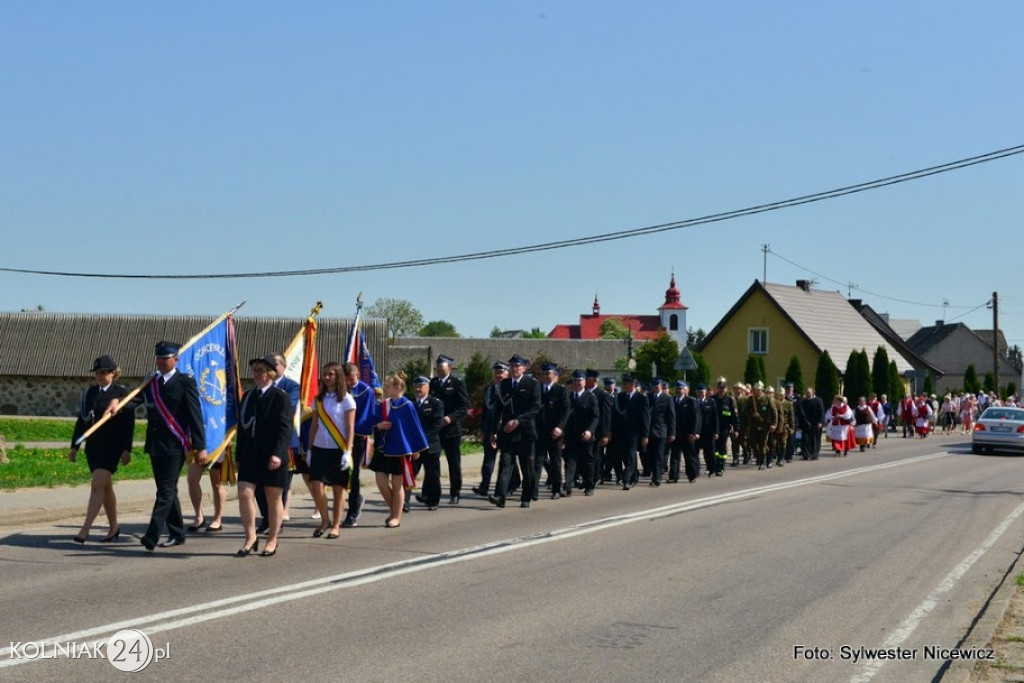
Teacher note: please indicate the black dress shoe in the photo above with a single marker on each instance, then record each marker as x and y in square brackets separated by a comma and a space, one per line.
[525, 504]
[147, 544]
[243, 552]
[626, 487]
[171, 542]
[193, 528]
[110, 538]
[479, 490]
[556, 495]
[588, 492]
[500, 502]
[405, 506]
[78, 539]
[454, 500]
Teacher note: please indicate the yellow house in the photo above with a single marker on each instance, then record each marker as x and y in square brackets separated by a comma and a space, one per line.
[781, 321]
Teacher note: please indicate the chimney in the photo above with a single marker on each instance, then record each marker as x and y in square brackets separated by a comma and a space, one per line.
[940, 323]
[804, 285]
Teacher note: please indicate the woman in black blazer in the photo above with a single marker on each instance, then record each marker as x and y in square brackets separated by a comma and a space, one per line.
[105, 448]
[264, 435]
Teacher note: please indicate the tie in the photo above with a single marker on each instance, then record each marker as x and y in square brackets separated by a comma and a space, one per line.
[515, 383]
[575, 397]
[161, 380]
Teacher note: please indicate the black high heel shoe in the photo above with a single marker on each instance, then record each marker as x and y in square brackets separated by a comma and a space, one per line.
[269, 553]
[110, 538]
[79, 539]
[243, 552]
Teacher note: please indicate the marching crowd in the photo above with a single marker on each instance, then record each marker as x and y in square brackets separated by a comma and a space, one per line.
[540, 435]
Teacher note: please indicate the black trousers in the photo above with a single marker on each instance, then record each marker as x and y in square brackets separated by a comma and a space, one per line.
[706, 444]
[430, 462]
[549, 456]
[167, 508]
[452, 446]
[511, 452]
[355, 501]
[655, 457]
[490, 460]
[685, 450]
[579, 459]
[627, 450]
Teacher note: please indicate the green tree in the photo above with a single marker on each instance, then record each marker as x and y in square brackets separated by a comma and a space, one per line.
[694, 337]
[896, 389]
[478, 377]
[826, 378]
[761, 372]
[495, 332]
[752, 371]
[795, 374]
[663, 351]
[857, 378]
[1011, 389]
[438, 328]
[613, 328]
[535, 333]
[880, 371]
[990, 382]
[971, 383]
[702, 375]
[929, 384]
[403, 318]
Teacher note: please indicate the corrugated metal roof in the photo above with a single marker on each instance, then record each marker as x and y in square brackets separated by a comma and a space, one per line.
[831, 323]
[65, 344]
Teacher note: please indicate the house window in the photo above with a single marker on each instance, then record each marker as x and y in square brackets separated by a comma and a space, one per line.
[758, 340]
[673, 322]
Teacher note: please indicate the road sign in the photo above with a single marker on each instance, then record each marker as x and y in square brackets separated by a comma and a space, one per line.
[685, 360]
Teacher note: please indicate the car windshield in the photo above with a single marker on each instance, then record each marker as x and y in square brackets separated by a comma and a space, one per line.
[1003, 414]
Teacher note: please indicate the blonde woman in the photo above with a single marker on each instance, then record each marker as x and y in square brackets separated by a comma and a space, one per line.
[400, 439]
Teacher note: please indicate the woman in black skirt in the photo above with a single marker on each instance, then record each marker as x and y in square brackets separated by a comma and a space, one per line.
[105, 448]
[264, 434]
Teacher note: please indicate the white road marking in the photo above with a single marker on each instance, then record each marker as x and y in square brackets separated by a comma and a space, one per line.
[227, 607]
[900, 635]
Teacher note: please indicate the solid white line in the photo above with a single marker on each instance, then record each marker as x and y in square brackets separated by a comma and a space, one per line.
[218, 609]
[900, 635]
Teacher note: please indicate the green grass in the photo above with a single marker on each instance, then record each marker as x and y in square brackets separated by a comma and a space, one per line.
[1020, 580]
[46, 467]
[29, 430]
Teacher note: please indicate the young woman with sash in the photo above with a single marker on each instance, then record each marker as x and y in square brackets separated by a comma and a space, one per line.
[264, 436]
[399, 440]
[330, 435]
[109, 445]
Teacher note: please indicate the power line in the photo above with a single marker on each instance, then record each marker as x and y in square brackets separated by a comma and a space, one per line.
[852, 285]
[565, 244]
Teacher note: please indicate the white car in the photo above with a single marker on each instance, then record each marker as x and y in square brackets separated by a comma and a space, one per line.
[998, 428]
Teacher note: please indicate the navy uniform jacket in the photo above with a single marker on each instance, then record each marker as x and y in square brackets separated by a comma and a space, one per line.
[584, 415]
[431, 413]
[491, 415]
[292, 388]
[455, 397]
[632, 417]
[522, 405]
[265, 426]
[554, 409]
[688, 416]
[181, 397]
[113, 437]
[708, 416]
[663, 416]
[606, 406]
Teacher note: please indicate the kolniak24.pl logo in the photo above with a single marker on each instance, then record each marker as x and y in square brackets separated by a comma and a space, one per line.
[128, 650]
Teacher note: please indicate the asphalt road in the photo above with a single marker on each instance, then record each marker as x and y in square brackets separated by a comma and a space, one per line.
[720, 580]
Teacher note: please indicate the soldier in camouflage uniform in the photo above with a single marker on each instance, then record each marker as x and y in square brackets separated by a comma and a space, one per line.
[787, 428]
[763, 416]
[739, 439]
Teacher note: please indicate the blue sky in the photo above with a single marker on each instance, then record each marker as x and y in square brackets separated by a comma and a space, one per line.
[235, 137]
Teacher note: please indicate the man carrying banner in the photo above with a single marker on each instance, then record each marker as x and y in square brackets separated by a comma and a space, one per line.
[366, 403]
[174, 427]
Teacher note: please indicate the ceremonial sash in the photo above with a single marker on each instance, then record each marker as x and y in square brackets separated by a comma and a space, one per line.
[329, 425]
[176, 429]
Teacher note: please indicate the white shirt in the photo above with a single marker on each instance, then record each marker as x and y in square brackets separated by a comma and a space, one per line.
[336, 410]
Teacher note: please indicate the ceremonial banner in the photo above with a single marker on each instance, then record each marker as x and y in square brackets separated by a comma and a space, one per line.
[357, 352]
[301, 359]
[212, 362]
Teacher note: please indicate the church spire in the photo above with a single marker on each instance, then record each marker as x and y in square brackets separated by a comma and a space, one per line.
[672, 294]
[597, 305]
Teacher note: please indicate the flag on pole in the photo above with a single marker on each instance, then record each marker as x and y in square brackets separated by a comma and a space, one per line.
[356, 352]
[213, 363]
[301, 359]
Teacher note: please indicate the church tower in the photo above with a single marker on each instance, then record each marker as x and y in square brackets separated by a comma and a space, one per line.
[673, 314]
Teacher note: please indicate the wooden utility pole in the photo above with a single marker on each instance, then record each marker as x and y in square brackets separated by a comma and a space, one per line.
[995, 340]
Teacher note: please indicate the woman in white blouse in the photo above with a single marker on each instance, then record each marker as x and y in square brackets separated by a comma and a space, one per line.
[330, 434]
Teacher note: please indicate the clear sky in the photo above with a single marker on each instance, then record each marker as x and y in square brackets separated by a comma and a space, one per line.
[233, 137]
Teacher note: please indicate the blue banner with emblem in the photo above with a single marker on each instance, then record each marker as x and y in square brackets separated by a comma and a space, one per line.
[212, 363]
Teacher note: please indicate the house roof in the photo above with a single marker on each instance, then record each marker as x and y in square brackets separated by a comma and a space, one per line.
[825, 319]
[881, 323]
[65, 344]
[643, 327]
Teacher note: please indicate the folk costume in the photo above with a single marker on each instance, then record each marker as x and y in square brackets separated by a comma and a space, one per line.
[840, 420]
[395, 446]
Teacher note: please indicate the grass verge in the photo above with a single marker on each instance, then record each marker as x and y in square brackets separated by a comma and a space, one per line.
[48, 467]
[34, 429]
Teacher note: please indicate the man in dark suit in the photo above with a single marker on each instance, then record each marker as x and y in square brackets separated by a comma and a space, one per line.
[453, 394]
[632, 422]
[663, 429]
[810, 414]
[580, 429]
[292, 388]
[430, 410]
[688, 426]
[517, 433]
[174, 426]
[708, 428]
[489, 417]
[606, 459]
[554, 410]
